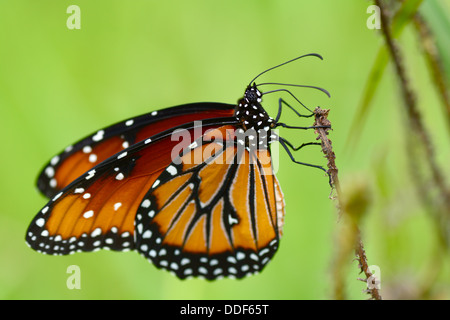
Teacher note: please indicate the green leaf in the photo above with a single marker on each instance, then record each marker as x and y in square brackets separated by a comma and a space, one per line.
[437, 14]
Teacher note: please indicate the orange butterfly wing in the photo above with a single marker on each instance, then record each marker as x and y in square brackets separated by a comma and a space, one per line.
[215, 211]
[98, 209]
[77, 159]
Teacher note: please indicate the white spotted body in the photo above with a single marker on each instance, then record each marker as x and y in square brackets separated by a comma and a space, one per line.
[255, 122]
[250, 112]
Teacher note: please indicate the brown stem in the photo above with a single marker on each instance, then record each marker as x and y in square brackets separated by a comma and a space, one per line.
[321, 119]
[434, 61]
[412, 111]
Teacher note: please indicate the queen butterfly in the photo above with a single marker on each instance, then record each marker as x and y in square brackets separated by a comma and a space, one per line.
[209, 206]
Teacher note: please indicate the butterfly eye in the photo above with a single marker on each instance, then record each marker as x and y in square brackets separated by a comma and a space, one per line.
[250, 95]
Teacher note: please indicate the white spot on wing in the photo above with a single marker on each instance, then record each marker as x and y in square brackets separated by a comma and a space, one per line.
[90, 174]
[231, 259]
[214, 262]
[92, 158]
[146, 203]
[87, 149]
[147, 234]
[57, 196]
[232, 220]
[96, 232]
[53, 183]
[172, 170]
[50, 172]
[88, 214]
[79, 190]
[120, 176]
[54, 160]
[98, 136]
[232, 270]
[40, 222]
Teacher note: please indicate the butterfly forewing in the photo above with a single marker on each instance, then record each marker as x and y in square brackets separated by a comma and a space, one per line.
[99, 146]
[98, 209]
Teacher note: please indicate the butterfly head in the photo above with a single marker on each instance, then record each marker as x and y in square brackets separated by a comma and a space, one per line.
[252, 95]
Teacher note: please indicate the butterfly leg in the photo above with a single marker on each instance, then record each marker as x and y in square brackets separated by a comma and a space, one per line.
[281, 102]
[281, 124]
[285, 90]
[290, 145]
[285, 146]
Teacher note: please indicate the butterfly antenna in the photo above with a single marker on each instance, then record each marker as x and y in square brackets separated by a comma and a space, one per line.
[305, 55]
[296, 85]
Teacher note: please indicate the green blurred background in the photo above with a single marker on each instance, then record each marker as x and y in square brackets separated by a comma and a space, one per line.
[58, 85]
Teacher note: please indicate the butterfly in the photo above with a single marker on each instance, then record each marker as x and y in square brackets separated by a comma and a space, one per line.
[191, 188]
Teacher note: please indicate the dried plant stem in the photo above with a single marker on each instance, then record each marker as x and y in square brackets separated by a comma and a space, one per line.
[414, 117]
[321, 119]
[434, 61]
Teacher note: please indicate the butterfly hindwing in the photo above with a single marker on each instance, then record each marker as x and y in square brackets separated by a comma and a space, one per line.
[215, 211]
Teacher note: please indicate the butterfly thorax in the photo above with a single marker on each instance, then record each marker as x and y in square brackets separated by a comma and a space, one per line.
[250, 112]
[253, 118]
